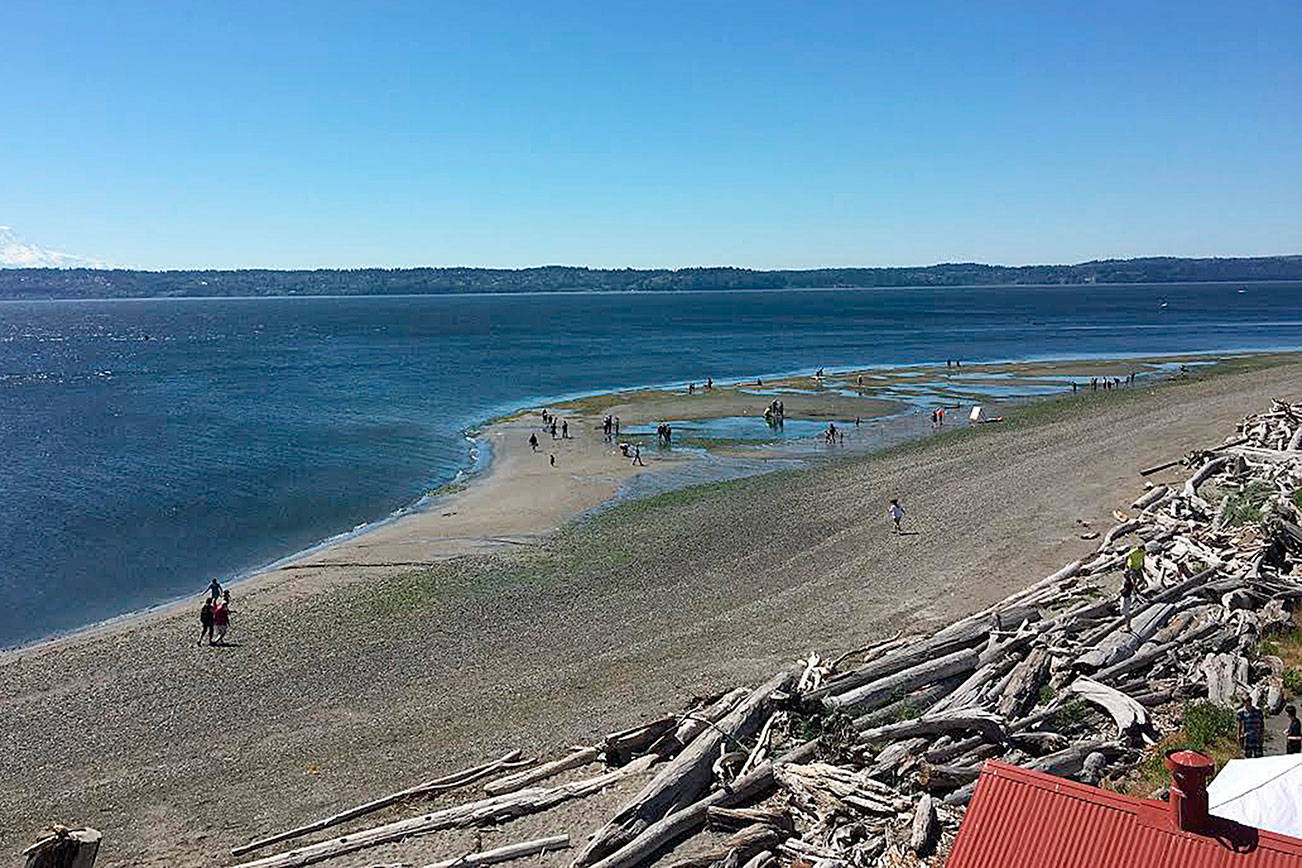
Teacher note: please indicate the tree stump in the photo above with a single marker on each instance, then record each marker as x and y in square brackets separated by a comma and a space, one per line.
[64, 848]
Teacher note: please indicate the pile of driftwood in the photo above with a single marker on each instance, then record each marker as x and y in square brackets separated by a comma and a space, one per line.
[868, 758]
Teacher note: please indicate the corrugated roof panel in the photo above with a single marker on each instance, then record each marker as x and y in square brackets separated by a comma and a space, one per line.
[1024, 819]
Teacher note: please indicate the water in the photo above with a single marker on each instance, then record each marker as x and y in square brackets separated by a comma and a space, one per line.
[148, 445]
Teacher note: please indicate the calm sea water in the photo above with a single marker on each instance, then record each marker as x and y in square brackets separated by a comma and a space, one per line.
[148, 445]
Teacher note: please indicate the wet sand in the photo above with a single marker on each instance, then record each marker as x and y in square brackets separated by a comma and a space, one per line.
[340, 689]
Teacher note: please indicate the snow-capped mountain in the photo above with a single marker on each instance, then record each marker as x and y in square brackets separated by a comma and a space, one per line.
[15, 252]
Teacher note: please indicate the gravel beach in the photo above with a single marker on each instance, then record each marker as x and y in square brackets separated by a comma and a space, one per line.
[338, 691]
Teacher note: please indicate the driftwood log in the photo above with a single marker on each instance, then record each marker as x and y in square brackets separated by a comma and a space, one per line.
[685, 778]
[64, 848]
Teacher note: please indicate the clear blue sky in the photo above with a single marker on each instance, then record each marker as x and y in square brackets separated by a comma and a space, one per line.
[764, 134]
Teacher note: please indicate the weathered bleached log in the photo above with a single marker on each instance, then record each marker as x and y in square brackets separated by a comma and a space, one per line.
[64, 848]
[748, 842]
[923, 700]
[684, 778]
[1124, 643]
[679, 823]
[575, 759]
[880, 692]
[1130, 717]
[1023, 688]
[1151, 652]
[990, 726]
[944, 778]
[1008, 604]
[869, 652]
[890, 757]
[494, 809]
[1153, 495]
[438, 785]
[623, 745]
[1295, 442]
[1117, 531]
[1225, 674]
[505, 854]
[1065, 763]
[968, 692]
[1204, 473]
[925, 826]
[696, 722]
[732, 819]
[764, 859]
[965, 634]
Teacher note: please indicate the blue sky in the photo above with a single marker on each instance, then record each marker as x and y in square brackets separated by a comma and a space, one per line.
[764, 134]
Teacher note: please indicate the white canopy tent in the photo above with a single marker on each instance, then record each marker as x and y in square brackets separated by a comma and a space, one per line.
[1265, 793]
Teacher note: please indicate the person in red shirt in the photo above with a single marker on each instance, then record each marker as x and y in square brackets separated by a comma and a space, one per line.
[221, 617]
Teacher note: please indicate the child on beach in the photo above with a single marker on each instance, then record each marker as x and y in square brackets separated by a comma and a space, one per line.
[896, 512]
[206, 620]
[214, 589]
[533, 442]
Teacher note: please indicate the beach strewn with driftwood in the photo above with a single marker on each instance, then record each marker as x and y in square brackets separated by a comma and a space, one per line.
[849, 679]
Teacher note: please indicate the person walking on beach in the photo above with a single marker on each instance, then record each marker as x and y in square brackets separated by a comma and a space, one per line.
[1293, 734]
[206, 620]
[616, 426]
[565, 430]
[1251, 726]
[896, 512]
[1130, 580]
[533, 442]
[637, 457]
[553, 460]
[214, 589]
[221, 618]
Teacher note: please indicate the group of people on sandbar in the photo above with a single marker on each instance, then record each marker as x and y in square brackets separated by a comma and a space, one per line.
[215, 614]
[937, 418]
[610, 427]
[775, 414]
[708, 387]
[833, 435]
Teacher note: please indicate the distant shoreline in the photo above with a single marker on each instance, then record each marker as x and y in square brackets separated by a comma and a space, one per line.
[566, 292]
[51, 283]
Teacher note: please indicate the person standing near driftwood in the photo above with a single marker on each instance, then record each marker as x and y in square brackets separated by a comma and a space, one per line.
[1251, 725]
[1130, 579]
[206, 620]
[1293, 734]
[896, 512]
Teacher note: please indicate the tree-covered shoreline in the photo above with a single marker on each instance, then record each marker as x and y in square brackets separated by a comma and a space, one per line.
[36, 283]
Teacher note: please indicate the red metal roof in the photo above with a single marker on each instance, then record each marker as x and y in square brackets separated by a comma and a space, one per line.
[1020, 818]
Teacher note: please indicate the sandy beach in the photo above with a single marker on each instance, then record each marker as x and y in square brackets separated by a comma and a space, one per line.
[447, 637]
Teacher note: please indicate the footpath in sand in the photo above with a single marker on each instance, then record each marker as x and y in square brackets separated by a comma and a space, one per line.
[341, 692]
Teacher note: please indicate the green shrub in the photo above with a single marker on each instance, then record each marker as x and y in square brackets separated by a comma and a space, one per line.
[1070, 715]
[1293, 681]
[1245, 506]
[1297, 498]
[1206, 723]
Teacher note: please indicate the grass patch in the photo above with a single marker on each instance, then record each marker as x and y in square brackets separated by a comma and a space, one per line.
[1245, 506]
[1208, 728]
